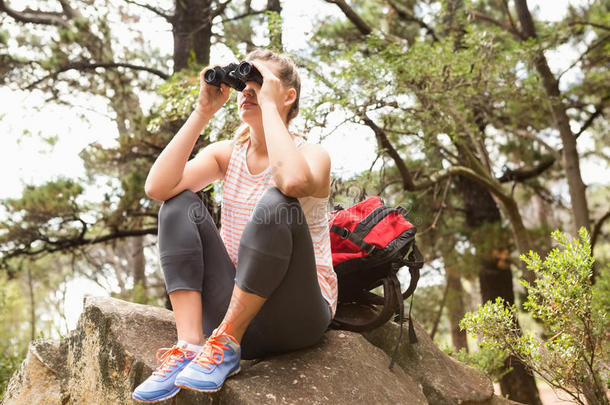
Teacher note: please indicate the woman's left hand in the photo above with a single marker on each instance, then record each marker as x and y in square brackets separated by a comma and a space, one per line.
[271, 90]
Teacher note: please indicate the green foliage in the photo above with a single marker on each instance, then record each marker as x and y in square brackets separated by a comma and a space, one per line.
[490, 362]
[573, 354]
[179, 95]
[561, 296]
[274, 24]
[12, 347]
[139, 294]
[9, 363]
[4, 36]
[601, 292]
[41, 217]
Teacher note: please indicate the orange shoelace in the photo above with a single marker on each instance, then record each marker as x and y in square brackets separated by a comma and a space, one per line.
[212, 352]
[169, 358]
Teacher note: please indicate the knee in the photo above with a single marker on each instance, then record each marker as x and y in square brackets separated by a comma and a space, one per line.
[276, 207]
[274, 196]
[185, 206]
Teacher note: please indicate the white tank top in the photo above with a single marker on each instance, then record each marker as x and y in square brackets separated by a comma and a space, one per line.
[241, 192]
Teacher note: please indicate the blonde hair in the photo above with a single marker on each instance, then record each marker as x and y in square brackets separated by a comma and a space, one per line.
[288, 75]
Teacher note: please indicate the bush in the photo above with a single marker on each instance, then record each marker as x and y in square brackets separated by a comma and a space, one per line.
[572, 356]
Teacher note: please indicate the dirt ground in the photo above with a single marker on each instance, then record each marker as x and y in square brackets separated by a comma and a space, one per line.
[547, 395]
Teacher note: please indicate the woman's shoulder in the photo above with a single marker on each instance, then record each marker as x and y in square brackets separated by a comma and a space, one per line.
[315, 151]
[222, 151]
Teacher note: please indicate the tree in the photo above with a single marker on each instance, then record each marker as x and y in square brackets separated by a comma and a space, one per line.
[78, 55]
[439, 79]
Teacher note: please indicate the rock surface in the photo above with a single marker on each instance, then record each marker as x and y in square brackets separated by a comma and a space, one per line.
[444, 380]
[113, 349]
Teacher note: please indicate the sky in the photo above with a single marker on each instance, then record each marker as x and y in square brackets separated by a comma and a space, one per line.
[31, 161]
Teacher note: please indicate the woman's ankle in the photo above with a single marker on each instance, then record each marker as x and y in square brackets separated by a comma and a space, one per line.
[193, 339]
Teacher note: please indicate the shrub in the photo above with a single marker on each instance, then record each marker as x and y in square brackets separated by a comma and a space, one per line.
[572, 356]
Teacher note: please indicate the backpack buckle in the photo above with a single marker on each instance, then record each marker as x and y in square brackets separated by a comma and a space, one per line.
[344, 233]
[370, 249]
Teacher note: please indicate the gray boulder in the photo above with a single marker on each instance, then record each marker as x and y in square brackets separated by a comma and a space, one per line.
[444, 380]
[113, 349]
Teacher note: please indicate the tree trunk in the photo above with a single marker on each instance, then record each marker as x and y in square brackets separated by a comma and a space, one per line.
[495, 280]
[594, 390]
[439, 313]
[192, 29]
[570, 158]
[455, 309]
[139, 267]
[32, 304]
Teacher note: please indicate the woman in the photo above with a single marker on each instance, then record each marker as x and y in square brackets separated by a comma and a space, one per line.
[264, 284]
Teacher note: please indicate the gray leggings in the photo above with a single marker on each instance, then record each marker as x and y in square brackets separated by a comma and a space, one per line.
[275, 261]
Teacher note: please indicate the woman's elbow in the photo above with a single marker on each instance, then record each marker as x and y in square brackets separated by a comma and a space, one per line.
[153, 192]
[295, 187]
[153, 195]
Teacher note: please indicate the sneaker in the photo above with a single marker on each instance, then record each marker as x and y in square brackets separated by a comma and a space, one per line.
[160, 385]
[218, 360]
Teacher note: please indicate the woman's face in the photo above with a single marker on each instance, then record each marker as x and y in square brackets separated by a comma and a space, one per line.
[248, 108]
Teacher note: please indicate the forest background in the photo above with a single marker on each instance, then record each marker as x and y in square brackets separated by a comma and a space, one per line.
[486, 119]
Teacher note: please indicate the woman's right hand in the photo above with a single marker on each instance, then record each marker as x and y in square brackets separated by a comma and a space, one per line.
[211, 98]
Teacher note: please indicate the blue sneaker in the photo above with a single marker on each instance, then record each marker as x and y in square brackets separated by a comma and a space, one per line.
[160, 385]
[218, 360]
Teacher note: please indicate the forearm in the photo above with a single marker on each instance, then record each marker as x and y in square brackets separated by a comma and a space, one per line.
[167, 170]
[290, 170]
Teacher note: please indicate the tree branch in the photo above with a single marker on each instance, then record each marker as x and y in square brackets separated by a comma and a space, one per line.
[244, 15]
[77, 242]
[597, 228]
[521, 175]
[351, 15]
[153, 9]
[37, 16]
[511, 21]
[600, 41]
[484, 17]
[592, 24]
[220, 9]
[68, 10]
[407, 179]
[598, 111]
[386, 145]
[408, 16]
[92, 66]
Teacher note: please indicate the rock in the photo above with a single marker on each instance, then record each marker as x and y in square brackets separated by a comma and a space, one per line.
[445, 381]
[113, 349]
[342, 369]
[39, 378]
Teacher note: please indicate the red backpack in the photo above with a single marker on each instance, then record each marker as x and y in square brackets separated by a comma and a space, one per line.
[370, 242]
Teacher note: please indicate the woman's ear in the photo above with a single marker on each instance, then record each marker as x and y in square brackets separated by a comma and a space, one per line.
[291, 96]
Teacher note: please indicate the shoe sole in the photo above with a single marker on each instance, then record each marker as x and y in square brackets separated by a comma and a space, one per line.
[156, 400]
[214, 390]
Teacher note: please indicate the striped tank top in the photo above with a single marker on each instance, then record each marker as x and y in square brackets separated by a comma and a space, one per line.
[241, 192]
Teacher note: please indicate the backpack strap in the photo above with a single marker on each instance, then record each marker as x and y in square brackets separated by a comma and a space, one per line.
[414, 271]
[345, 233]
[366, 322]
[415, 261]
[401, 312]
[364, 227]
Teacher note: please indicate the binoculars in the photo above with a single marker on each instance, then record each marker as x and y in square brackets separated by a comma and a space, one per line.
[234, 75]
